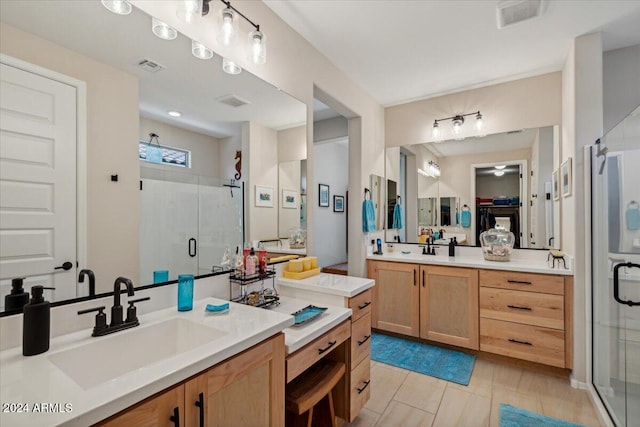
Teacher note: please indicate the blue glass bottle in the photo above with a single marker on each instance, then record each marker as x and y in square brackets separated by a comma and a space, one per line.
[185, 292]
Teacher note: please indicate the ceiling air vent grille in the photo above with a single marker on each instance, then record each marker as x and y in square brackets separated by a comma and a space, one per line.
[511, 12]
[233, 101]
[150, 66]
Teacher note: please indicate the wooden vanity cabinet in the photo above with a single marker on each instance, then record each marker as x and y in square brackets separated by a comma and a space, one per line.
[449, 305]
[396, 297]
[246, 390]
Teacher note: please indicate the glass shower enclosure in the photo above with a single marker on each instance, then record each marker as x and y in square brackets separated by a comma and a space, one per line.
[187, 222]
[615, 185]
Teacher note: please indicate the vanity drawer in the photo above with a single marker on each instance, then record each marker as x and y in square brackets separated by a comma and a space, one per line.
[360, 305]
[522, 307]
[360, 387]
[530, 282]
[299, 361]
[534, 343]
[360, 339]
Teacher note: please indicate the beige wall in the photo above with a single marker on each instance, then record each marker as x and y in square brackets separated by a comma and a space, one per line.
[296, 67]
[112, 125]
[292, 144]
[521, 104]
[205, 149]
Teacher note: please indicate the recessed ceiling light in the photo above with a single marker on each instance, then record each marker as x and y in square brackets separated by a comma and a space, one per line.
[500, 167]
[174, 113]
[498, 173]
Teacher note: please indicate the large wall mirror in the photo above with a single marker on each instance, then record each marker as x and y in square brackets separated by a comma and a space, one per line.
[135, 217]
[464, 187]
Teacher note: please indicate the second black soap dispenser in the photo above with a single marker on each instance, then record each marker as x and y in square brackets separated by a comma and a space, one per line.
[36, 323]
[18, 298]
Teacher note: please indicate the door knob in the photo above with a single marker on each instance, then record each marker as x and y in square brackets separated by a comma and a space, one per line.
[68, 265]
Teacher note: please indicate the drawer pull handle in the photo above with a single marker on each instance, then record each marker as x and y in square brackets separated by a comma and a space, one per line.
[200, 404]
[520, 282]
[331, 344]
[365, 305]
[366, 338]
[414, 277]
[175, 418]
[517, 307]
[361, 389]
[520, 342]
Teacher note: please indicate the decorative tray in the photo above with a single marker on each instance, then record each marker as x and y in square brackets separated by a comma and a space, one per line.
[308, 313]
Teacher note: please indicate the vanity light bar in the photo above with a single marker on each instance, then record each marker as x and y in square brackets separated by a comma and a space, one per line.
[458, 122]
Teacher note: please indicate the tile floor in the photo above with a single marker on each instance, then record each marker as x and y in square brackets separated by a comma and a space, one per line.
[405, 399]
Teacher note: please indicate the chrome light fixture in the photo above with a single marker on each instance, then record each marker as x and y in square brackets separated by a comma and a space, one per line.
[162, 30]
[458, 126]
[120, 7]
[434, 169]
[200, 51]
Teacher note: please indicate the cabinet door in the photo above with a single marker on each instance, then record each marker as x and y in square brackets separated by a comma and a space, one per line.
[449, 305]
[153, 412]
[244, 391]
[396, 297]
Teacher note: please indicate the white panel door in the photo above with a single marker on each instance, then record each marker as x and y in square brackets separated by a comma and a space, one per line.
[37, 181]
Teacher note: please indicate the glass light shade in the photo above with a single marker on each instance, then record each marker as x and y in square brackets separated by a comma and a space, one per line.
[458, 132]
[189, 10]
[230, 67]
[436, 133]
[162, 30]
[120, 7]
[498, 173]
[500, 166]
[200, 51]
[228, 26]
[257, 47]
[480, 125]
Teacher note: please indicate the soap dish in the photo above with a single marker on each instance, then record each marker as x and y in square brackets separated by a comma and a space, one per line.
[406, 252]
[307, 314]
[217, 309]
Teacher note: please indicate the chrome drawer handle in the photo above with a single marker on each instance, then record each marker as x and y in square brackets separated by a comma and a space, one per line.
[520, 342]
[517, 307]
[366, 338]
[365, 305]
[331, 344]
[520, 282]
[361, 389]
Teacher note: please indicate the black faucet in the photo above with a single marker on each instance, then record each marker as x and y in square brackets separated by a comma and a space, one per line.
[117, 324]
[116, 310]
[92, 280]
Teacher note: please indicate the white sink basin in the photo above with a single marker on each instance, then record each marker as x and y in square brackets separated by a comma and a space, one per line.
[110, 357]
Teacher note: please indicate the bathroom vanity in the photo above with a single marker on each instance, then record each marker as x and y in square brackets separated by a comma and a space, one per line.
[521, 308]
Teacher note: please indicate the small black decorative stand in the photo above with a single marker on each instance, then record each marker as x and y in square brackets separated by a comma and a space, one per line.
[265, 297]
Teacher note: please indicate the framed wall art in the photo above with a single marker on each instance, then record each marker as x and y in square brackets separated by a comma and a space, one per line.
[264, 197]
[338, 203]
[323, 195]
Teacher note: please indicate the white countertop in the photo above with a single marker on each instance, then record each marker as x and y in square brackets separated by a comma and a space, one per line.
[333, 284]
[288, 251]
[531, 264]
[35, 379]
[296, 337]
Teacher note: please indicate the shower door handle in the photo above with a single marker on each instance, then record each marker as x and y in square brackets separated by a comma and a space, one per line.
[193, 247]
[616, 295]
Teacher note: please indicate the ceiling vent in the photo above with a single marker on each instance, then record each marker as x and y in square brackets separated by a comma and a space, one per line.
[233, 101]
[149, 65]
[511, 12]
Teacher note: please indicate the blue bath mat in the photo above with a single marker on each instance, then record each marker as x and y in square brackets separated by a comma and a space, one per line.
[511, 416]
[426, 359]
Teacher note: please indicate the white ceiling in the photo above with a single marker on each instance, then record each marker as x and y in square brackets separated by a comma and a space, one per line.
[399, 51]
[488, 144]
[189, 85]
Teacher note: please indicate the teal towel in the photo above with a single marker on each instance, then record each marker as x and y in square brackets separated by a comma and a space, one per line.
[397, 216]
[368, 216]
[633, 215]
[465, 218]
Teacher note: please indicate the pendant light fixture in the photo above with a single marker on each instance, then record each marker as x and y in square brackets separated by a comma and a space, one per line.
[458, 126]
[200, 51]
[230, 67]
[162, 30]
[119, 7]
[228, 26]
[189, 10]
[257, 47]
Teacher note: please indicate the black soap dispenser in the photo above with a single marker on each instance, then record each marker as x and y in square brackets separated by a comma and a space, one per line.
[452, 248]
[36, 323]
[18, 298]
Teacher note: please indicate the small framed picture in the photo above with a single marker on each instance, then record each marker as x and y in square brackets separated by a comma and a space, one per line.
[555, 185]
[338, 203]
[323, 199]
[565, 177]
[264, 197]
[289, 199]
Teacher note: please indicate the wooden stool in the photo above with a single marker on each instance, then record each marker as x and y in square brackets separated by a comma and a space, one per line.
[312, 388]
